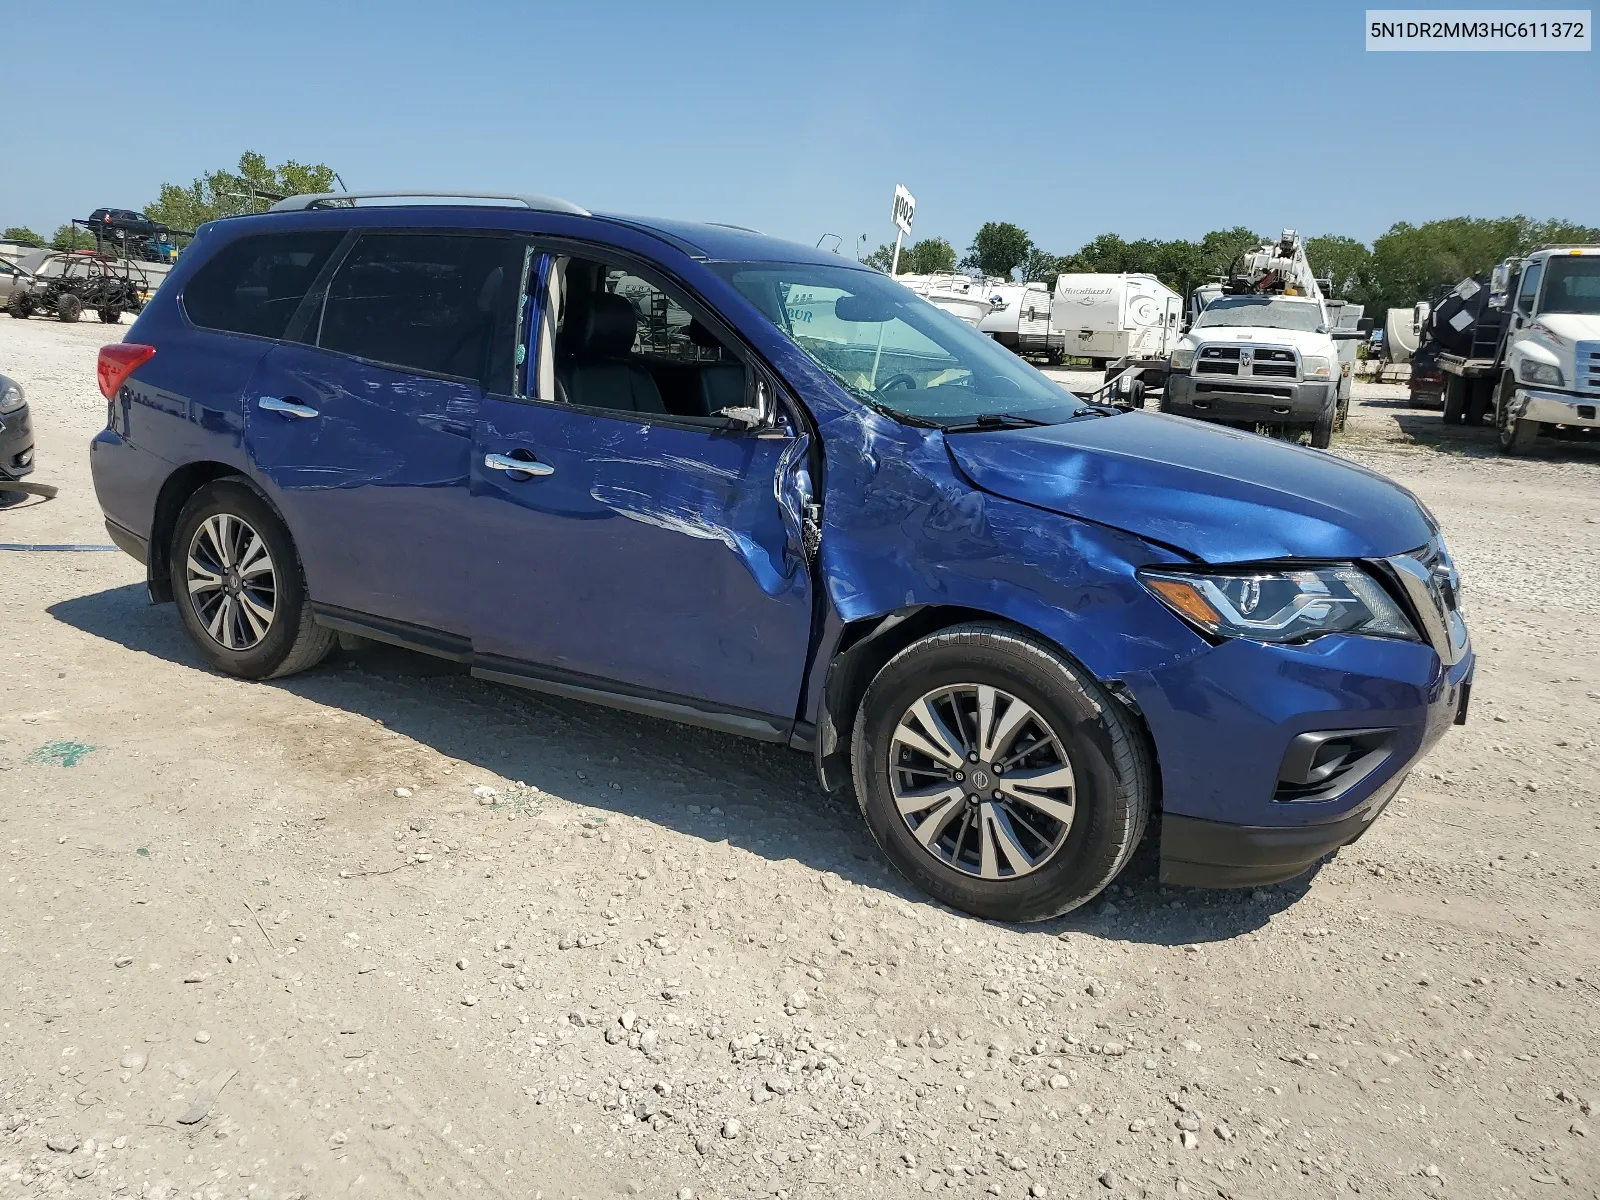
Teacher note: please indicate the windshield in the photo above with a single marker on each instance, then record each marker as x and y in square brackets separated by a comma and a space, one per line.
[1265, 312]
[892, 349]
[1572, 285]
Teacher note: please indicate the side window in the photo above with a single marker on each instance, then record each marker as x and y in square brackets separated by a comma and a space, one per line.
[607, 337]
[440, 303]
[255, 284]
[1529, 291]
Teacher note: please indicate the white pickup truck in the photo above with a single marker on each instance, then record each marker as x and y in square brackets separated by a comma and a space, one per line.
[1261, 360]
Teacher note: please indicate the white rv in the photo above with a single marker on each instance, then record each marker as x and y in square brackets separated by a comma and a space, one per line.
[1108, 317]
[1019, 317]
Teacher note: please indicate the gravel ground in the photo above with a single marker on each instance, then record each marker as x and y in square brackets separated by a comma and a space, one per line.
[386, 930]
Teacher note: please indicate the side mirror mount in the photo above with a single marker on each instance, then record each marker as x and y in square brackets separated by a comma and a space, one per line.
[763, 414]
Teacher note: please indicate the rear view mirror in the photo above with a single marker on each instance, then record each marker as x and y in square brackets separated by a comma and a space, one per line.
[863, 309]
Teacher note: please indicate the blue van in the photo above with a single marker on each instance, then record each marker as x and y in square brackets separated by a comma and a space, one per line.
[695, 472]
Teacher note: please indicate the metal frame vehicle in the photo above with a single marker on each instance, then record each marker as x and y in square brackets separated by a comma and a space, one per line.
[108, 286]
[691, 471]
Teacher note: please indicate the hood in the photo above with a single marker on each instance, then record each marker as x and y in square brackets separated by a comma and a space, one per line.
[1568, 327]
[1306, 343]
[1219, 494]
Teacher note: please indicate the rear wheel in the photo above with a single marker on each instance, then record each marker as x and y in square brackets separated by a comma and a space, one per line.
[239, 586]
[998, 777]
[1479, 393]
[1455, 399]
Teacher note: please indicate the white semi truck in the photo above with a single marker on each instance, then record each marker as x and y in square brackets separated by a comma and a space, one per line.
[1269, 351]
[1543, 368]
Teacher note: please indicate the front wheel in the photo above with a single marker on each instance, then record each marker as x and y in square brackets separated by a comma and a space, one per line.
[1322, 431]
[17, 305]
[998, 777]
[239, 586]
[69, 308]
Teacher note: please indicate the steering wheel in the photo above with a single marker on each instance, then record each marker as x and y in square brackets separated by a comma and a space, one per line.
[901, 380]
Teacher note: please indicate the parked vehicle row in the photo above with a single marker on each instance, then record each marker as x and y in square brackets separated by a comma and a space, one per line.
[691, 471]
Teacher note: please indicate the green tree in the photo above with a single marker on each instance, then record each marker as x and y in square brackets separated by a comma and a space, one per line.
[251, 188]
[1410, 262]
[21, 235]
[931, 256]
[998, 248]
[1343, 261]
[1040, 266]
[70, 237]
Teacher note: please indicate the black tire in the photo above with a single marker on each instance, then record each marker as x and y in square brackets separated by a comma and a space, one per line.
[1110, 761]
[1479, 394]
[1455, 399]
[1518, 437]
[1322, 431]
[292, 641]
[110, 315]
[17, 305]
[1136, 396]
[68, 307]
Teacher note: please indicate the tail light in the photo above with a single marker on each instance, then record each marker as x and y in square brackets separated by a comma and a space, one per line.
[118, 362]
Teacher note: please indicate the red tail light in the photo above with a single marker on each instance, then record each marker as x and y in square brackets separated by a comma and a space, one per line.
[118, 362]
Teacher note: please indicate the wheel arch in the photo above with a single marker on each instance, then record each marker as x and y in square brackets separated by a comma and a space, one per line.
[866, 645]
[175, 492]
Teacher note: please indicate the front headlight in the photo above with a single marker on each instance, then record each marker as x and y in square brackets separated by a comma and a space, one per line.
[1546, 373]
[1314, 366]
[11, 398]
[1281, 606]
[1182, 359]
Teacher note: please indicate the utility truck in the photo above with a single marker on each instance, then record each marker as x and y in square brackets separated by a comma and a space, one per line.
[1268, 353]
[1534, 356]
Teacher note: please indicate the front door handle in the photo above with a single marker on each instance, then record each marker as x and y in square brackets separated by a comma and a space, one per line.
[287, 407]
[504, 462]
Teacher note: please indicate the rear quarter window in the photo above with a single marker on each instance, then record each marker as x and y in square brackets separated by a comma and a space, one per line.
[254, 285]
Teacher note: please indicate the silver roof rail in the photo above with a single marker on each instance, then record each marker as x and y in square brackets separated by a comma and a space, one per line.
[338, 199]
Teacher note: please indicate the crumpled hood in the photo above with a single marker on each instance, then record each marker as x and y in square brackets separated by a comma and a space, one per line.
[1219, 494]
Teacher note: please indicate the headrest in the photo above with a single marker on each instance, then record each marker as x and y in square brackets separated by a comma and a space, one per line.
[602, 326]
[701, 336]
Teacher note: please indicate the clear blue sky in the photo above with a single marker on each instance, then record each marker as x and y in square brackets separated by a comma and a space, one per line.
[1144, 119]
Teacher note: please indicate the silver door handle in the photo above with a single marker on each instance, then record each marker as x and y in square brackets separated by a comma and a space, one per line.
[504, 462]
[287, 407]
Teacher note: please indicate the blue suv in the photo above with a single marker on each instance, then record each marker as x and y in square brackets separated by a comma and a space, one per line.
[695, 472]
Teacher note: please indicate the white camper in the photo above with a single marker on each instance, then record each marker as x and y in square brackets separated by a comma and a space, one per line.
[1019, 317]
[1109, 317]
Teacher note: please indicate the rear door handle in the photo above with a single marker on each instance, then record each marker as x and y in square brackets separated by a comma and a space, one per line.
[504, 462]
[287, 407]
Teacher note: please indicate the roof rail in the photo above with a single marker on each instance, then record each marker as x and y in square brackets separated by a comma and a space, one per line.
[348, 199]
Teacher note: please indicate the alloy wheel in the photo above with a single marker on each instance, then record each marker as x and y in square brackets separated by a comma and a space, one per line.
[982, 781]
[233, 584]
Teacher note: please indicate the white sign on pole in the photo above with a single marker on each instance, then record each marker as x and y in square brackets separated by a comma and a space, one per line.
[905, 207]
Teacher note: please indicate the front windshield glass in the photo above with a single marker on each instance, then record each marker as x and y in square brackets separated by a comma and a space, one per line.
[1572, 285]
[1264, 312]
[892, 349]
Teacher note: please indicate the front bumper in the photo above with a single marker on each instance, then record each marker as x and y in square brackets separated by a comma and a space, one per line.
[16, 444]
[1253, 402]
[1223, 724]
[1558, 408]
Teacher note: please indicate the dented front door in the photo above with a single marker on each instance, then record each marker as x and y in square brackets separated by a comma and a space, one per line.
[646, 557]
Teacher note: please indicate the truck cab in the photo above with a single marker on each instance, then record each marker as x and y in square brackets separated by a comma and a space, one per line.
[1550, 366]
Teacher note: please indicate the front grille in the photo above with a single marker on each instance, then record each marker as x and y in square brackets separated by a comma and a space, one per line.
[1588, 379]
[1432, 584]
[1248, 362]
